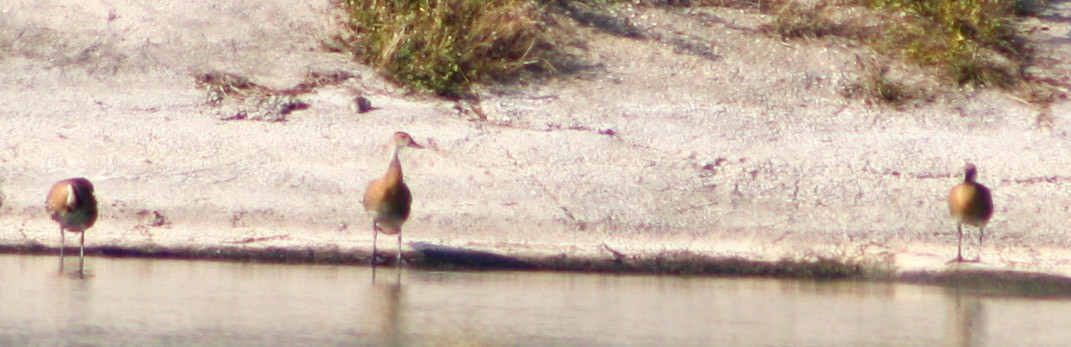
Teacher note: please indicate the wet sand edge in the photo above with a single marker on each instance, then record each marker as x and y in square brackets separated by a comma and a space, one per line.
[964, 277]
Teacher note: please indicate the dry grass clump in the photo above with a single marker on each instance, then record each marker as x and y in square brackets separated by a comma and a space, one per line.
[445, 46]
[761, 5]
[236, 97]
[795, 20]
[877, 85]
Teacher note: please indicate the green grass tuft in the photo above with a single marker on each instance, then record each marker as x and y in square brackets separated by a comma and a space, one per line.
[972, 42]
[976, 42]
[445, 46]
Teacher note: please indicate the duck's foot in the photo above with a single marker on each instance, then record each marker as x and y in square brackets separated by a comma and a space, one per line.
[377, 260]
[958, 259]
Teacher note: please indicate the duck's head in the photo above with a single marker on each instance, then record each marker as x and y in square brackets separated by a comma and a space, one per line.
[402, 139]
[969, 173]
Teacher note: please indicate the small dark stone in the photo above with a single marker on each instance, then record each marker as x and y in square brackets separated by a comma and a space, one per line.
[363, 104]
[292, 105]
[240, 115]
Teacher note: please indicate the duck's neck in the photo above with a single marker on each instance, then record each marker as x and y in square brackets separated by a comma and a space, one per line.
[394, 171]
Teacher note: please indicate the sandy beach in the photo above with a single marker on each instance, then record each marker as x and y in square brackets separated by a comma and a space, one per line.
[747, 148]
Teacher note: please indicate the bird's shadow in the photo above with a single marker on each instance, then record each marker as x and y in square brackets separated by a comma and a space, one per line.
[439, 255]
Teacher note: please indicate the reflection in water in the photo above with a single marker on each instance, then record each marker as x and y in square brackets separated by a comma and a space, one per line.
[81, 260]
[386, 299]
[169, 302]
[967, 320]
[79, 273]
[397, 272]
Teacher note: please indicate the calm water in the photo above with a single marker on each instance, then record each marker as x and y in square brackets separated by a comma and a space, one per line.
[170, 302]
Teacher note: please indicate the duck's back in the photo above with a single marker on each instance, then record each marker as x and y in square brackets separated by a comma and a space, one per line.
[971, 203]
[76, 213]
[389, 205]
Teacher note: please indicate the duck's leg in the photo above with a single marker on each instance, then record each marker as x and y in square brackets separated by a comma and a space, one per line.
[398, 261]
[61, 245]
[959, 245]
[375, 235]
[981, 238]
[82, 254]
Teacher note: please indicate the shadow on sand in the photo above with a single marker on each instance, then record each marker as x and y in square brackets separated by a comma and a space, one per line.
[994, 282]
[444, 256]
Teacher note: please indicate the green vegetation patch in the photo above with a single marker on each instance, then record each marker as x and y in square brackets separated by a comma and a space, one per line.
[445, 46]
[975, 41]
[971, 43]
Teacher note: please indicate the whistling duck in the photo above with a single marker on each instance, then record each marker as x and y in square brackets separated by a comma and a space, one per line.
[72, 205]
[388, 199]
[971, 204]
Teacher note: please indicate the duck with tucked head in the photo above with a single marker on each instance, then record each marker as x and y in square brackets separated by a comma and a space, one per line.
[971, 204]
[71, 203]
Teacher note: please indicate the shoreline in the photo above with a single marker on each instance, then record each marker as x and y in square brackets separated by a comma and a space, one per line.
[964, 277]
